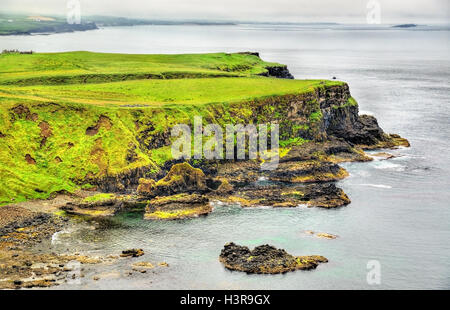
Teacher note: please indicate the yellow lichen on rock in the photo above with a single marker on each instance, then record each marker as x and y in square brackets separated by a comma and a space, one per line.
[179, 206]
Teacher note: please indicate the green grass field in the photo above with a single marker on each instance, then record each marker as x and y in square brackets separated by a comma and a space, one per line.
[154, 80]
[68, 119]
[164, 92]
[87, 67]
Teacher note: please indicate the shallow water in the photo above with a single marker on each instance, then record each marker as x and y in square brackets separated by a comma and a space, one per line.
[399, 213]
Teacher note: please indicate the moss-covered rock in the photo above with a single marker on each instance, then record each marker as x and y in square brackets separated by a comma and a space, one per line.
[179, 206]
[307, 172]
[146, 187]
[100, 204]
[325, 195]
[182, 178]
[265, 259]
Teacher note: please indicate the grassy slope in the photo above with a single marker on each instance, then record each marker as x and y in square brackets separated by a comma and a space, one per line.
[24, 24]
[11, 24]
[137, 113]
[164, 92]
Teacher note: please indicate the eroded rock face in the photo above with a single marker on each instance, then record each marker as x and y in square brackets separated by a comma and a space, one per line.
[146, 187]
[280, 72]
[179, 195]
[182, 178]
[265, 259]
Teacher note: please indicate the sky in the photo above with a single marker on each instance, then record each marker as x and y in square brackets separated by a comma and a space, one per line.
[341, 11]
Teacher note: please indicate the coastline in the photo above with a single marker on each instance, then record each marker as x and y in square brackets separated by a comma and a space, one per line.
[326, 118]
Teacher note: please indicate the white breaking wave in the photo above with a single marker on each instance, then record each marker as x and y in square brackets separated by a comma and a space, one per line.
[387, 165]
[376, 185]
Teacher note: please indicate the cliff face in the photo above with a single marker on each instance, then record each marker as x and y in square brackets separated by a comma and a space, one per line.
[322, 115]
[50, 147]
[279, 72]
[325, 112]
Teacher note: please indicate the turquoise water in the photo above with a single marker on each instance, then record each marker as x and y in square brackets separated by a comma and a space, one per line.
[400, 210]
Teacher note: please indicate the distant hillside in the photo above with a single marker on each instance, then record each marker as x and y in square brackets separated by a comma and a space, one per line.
[25, 25]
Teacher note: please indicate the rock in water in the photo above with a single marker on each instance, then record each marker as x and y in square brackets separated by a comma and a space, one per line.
[132, 253]
[265, 259]
[178, 206]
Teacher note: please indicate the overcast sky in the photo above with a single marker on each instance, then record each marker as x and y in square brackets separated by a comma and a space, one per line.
[344, 11]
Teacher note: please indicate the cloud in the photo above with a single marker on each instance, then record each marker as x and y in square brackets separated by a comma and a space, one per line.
[350, 11]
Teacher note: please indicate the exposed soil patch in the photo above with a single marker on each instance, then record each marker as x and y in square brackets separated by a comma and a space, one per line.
[30, 160]
[23, 112]
[103, 122]
[46, 131]
[97, 154]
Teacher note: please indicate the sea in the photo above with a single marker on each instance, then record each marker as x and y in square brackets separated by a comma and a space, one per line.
[396, 232]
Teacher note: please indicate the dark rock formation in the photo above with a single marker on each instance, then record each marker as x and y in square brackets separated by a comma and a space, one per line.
[265, 259]
[132, 253]
[324, 195]
[405, 26]
[281, 72]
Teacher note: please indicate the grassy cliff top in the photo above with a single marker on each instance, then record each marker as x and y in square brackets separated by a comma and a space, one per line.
[88, 67]
[145, 80]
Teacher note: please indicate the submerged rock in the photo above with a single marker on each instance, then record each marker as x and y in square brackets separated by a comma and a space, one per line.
[383, 155]
[265, 259]
[326, 235]
[142, 265]
[322, 235]
[178, 206]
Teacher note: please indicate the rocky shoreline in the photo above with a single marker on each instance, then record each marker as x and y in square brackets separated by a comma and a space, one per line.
[305, 176]
[323, 127]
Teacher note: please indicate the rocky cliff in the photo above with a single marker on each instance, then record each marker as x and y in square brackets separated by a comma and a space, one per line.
[323, 120]
[53, 147]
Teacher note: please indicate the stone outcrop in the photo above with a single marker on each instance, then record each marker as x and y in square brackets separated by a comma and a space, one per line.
[325, 195]
[179, 206]
[281, 72]
[179, 195]
[100, 205]
[182, 178]
[307, 172]
[132, 253]
[266, 259]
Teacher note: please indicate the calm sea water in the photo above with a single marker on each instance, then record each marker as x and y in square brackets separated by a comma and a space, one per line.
[400, 210]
